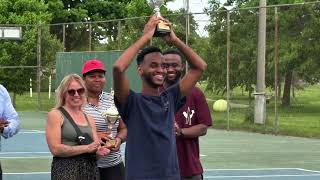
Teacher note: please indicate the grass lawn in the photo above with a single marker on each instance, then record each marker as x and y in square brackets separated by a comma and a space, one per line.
[26, 103]
[302, 118]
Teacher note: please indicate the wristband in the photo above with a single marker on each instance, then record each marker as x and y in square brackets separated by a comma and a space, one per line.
[181, 132]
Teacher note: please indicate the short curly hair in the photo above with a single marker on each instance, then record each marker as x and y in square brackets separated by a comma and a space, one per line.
[145, 51]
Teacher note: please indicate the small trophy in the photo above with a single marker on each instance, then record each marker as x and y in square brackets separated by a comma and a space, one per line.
[111, 116]
[162, 28]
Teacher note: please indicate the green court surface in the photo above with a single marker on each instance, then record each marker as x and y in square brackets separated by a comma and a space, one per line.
[224, 154]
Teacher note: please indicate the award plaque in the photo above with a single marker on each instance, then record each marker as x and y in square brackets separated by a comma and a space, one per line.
[162, 28]
[111, 116]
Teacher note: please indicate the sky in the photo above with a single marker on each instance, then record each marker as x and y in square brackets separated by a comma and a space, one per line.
[196, 6]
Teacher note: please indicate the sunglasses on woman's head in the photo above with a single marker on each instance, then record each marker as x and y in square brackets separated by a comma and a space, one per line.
[72, 92]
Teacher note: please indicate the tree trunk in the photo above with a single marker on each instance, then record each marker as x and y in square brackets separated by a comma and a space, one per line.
[14, 100]
[250, 101]
[293, 84]
[293, 93]
[279, 87]
[287, 88]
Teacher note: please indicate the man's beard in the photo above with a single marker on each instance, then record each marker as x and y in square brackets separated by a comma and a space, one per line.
[148, 78]
[175, 80]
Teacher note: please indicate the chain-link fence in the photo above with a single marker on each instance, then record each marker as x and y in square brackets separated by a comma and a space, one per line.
[291, 65]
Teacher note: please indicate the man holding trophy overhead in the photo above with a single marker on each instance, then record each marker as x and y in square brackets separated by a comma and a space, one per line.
[149, 115]
[111, 129]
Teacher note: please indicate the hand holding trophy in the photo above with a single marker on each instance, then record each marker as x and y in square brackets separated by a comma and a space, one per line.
[111, 116]
[163, 28]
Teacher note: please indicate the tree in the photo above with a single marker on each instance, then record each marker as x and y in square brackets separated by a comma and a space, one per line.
[138, 13]
[22, 52]
[77, 35]
[243, 48]
[298, 44]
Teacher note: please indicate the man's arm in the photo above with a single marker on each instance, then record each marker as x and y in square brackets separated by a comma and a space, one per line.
[120, 81]
[202, 117]
[193, 132]
[10, 115]
[122, 131]
[197, 64]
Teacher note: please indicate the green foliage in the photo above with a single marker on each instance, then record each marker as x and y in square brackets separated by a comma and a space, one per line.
[298, 48]
[299, 119]
[24, 52]
[249, 115]
[26, 103]
[77, 36]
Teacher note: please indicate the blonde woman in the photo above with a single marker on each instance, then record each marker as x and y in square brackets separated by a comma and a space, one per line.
[71, 160]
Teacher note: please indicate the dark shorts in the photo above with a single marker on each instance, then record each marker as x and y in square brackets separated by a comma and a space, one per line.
[0, 172]
[116, 172]
[195, 177]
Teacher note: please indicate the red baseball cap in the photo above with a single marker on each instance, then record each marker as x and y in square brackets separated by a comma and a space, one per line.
[92, 64]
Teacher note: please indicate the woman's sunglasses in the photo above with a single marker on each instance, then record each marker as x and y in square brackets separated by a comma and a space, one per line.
[72, 92]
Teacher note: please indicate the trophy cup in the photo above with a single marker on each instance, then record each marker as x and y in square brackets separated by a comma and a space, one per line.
[111, 116]
[162, 28]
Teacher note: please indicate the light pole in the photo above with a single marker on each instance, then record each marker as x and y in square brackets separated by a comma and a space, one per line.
[228, 8]
[260, 99]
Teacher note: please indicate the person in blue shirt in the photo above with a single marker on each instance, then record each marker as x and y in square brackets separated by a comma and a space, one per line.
[9, 119]
[149, 116]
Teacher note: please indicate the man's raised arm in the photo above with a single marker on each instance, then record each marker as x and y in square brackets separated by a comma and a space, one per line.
[197, 64]
[120, 81]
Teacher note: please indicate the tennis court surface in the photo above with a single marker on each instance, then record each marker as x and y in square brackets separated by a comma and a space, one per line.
[214, 174]
[225, 155]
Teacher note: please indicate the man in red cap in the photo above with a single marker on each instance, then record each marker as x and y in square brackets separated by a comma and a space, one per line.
[111, 166]
[93, 65]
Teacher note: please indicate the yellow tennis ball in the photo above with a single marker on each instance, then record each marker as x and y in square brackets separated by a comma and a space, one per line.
[220, 105]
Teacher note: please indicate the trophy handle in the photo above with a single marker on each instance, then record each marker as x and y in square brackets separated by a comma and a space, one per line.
[157, 11]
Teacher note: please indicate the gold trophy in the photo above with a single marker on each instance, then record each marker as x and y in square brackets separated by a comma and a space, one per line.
[111, 116]
[162, 28]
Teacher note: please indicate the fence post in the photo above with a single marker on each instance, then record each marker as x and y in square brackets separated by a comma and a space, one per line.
[64, 36]
[119, 35]
[39, 67]
[90, 29]
[30, 85]
[49, 96]
[228, 69]
[276, 59]
[187, 28]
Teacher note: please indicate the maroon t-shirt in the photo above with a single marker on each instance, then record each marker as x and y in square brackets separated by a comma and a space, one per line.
[195, 111]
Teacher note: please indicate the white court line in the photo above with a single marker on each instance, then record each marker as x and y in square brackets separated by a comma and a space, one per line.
[29, 157]
[307, 170]
[203, 155]
[252, 169]
[44, 152]
[245, 151]
[31, 132]
[28, 173]
[24, 157]
[262, 176]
